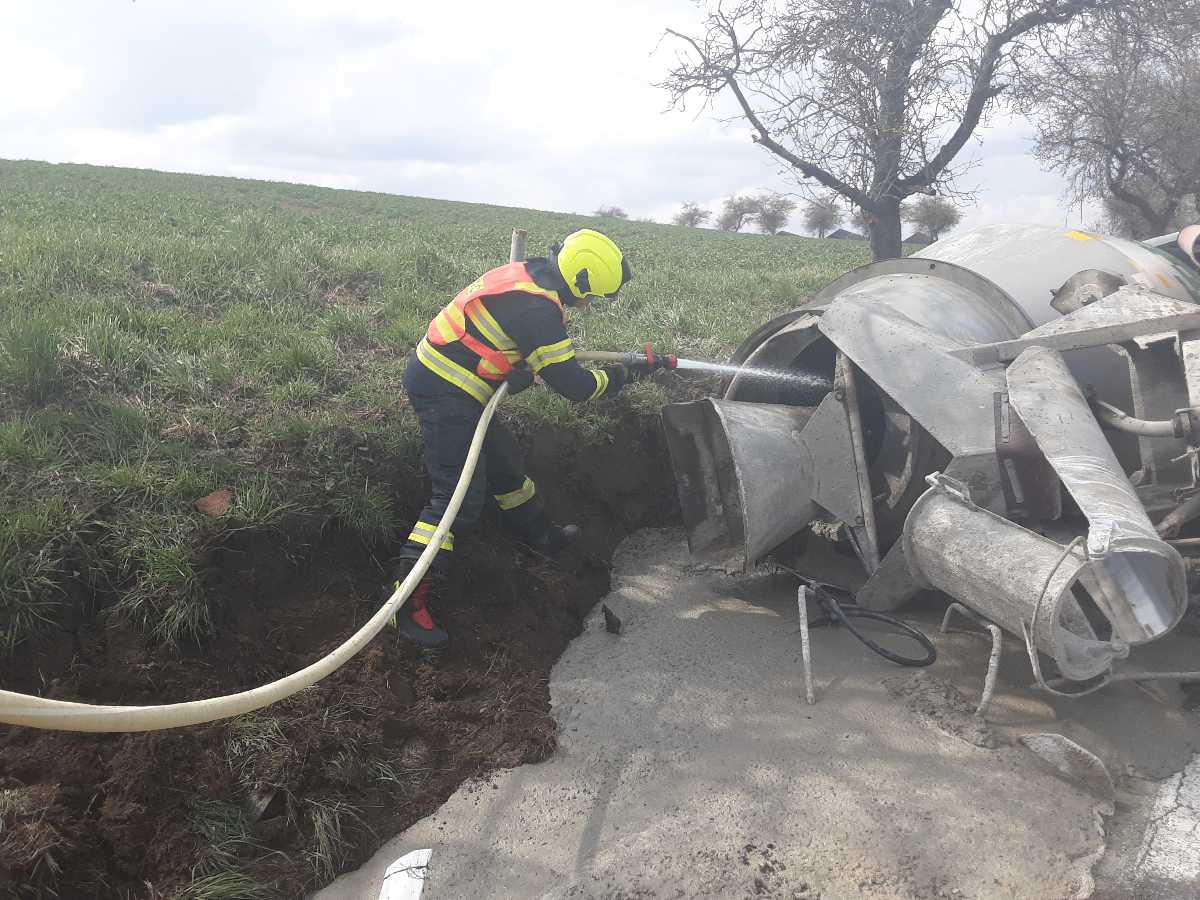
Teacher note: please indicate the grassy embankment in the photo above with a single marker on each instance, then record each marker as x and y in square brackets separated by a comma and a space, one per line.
[165, 336]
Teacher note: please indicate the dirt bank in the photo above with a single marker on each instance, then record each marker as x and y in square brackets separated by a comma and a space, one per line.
[277, 802]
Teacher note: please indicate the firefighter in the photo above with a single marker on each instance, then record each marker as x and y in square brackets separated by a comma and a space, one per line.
[506, 326]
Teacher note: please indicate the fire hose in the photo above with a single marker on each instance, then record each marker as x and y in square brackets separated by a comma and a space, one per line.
[840, 612]
[65, 715]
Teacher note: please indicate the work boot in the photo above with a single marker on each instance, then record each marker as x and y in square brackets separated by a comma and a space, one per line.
[556, 539]
[413, 621]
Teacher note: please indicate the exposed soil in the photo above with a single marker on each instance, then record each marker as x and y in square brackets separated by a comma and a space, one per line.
[340, 767]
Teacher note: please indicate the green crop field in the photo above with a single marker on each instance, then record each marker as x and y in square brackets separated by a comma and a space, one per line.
[165, 336]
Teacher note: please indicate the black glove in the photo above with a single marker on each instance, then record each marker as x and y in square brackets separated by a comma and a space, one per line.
[618, 377]
[518, 380]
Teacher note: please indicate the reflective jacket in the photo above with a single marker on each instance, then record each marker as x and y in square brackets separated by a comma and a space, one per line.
[467, 346]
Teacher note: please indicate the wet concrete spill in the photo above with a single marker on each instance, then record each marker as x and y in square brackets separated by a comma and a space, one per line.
[688, 765]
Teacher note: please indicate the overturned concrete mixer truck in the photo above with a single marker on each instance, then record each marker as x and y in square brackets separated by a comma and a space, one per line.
[1010, 416]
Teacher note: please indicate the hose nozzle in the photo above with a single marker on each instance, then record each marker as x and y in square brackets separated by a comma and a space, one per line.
[658, 360]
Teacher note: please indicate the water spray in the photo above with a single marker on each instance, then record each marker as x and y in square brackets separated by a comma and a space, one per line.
[651, 360]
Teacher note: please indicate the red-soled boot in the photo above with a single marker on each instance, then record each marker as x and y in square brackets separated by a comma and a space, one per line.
[416, 624]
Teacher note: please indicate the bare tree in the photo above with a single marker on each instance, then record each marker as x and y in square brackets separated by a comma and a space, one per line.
[1117, 106]
[772, 211]
[871, 99]
[614, 212]
[691, 215]
[736, 212]
[933, 215]
[822, 215]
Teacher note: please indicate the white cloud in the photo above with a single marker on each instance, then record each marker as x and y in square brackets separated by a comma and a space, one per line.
[463, 100]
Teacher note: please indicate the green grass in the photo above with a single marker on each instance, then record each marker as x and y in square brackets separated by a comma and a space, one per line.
[29, 361]
[164, 336]
[227, 885]
[334, 825]
[228, 846]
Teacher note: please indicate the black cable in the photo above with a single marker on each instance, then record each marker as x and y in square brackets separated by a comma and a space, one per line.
[841, 613]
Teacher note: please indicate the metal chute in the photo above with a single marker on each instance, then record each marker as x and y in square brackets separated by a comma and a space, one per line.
[731, 458]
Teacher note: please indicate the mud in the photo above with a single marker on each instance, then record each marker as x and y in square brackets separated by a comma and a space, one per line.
[941, 705]
[341, 766]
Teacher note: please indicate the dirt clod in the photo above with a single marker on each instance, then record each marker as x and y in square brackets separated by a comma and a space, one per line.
[215, 504]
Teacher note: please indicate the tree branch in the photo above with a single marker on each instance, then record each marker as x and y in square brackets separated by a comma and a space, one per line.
[982, 89]
[809, 170]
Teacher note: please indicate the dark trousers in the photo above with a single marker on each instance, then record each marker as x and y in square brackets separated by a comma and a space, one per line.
[448, 417]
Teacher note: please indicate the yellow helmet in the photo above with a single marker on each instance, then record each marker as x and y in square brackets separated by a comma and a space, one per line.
[591, 263]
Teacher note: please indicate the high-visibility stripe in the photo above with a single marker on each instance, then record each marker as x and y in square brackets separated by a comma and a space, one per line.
[488, 369]
[423, 532]
[601, 383]
[482, 319]
[449, 324]
[444, 329]
[550, 354]
[513, 499]
[442, 365]
[529, 287]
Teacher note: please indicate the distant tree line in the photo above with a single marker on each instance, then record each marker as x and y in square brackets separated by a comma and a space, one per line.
[612, 212]
[769, 213]
[931, 216]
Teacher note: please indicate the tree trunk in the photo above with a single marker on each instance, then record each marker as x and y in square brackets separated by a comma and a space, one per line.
[885, 231]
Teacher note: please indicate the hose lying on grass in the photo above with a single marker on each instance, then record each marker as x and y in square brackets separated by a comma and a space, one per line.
[63, 715]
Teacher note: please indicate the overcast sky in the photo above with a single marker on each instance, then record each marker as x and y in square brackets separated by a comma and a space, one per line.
[521, 104]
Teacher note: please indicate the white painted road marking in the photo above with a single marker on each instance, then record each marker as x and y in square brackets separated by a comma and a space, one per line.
[405, 878]
[1170, 850]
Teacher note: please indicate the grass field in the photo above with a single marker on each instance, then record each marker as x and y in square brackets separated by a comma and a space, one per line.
[164, 336]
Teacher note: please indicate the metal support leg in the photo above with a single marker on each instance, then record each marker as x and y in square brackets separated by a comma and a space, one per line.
[989, 681]
[802, 604]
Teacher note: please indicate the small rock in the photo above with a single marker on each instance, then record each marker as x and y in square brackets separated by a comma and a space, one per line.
[217, 503]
